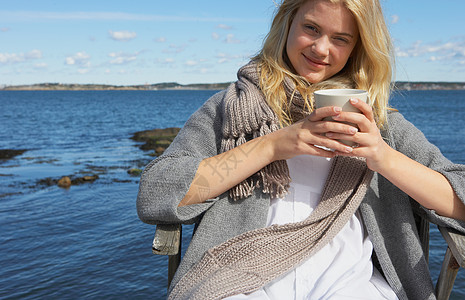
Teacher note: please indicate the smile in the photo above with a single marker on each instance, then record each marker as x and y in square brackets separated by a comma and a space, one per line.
[314, 62]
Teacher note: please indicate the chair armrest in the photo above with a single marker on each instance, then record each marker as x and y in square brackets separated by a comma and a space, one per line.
[456, 244]
[453, 260]
[167, 239]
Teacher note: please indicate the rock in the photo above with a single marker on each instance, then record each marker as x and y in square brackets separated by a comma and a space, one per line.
[64, 182]
[156, 139]
[90, 178]
[6, 154]
[84, 179]
[135, 172]
[67, 181]
[160, 149]
[47, 181]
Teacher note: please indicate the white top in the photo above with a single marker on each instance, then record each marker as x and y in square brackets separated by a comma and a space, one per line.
[340, 270]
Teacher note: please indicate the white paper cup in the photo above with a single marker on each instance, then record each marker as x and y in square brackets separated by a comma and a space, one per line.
[340, 97]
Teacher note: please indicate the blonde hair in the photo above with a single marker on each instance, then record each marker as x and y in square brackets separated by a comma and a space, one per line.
[369, 68]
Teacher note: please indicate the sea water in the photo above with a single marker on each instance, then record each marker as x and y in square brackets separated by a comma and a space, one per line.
[87, 241]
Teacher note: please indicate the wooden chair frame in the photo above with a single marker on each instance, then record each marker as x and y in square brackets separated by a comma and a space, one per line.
[167, 241]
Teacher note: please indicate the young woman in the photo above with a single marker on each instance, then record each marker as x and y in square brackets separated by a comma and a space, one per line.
[281, 218]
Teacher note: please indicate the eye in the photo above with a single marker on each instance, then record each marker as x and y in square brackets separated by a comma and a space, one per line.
[312, 28]
[342, 40]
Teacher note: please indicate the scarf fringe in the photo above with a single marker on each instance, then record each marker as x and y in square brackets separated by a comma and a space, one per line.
[274, 178]
[246, 112]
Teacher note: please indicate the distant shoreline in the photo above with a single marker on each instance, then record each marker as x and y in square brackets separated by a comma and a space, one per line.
[105, 87]
[400, 85]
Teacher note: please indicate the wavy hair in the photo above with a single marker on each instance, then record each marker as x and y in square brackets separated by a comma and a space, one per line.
[369, 67]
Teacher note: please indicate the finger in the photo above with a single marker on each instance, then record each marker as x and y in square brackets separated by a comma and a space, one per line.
[364, 108]
[324, 112]
[356, 152]
[317, 151]
[340, 136]
[331, 126]
[331, 144]
[357, 119]
[360, 139]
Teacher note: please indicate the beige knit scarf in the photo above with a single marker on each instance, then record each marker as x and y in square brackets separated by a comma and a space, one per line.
[252, 259]
[247, 115]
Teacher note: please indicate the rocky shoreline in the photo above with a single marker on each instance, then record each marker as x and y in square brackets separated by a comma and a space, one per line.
[153, 142]
[6, 154]
[156, 140]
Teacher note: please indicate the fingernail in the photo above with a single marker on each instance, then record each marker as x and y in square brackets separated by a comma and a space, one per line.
[353, 130]
[337, 109]
[349, 149]
[353, 100]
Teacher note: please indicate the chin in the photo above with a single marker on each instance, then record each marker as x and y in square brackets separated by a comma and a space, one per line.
[314, 79]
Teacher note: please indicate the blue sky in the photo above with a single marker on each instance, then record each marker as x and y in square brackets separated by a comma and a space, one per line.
[138, 42]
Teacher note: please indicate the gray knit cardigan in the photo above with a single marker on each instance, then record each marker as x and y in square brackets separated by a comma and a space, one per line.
[387, 212]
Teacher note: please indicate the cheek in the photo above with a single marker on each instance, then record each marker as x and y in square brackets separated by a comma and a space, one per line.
[290, 43]
[295, 45]
[342, 57]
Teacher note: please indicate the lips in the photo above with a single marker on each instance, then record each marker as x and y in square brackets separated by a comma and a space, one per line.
[315, 62]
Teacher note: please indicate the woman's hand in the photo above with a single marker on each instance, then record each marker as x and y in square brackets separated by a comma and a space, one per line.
[428, 187]
[305, 136]
[370, 143]
[221, 172]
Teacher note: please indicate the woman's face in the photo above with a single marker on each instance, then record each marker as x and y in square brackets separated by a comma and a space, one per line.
[321, 39]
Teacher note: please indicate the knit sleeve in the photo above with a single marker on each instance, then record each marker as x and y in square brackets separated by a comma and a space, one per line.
[166, 180]
[409, 140]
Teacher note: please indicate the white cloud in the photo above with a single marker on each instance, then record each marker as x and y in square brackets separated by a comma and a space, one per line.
[168, 61]
[40, 66]
[122, 58]
[231, 39]
[160, 40]
[450, 52]
[34, 54]
[224, 26]
[83, 71]
[215, 36]
[16, 16]
[394, 19]
[400, 53]
[224, 57]
[11, 58]
[191, 63]
[4, 29]
[175, 48]
[123, 36]
[80, 59]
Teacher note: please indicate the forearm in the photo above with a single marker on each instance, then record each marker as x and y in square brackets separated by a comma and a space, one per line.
[219, 173]
[426, 186]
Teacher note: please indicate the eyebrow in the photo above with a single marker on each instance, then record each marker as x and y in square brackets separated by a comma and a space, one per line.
[345, 34]
[337, 33]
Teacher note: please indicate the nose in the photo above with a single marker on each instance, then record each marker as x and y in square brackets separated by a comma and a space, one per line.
[321, 46]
